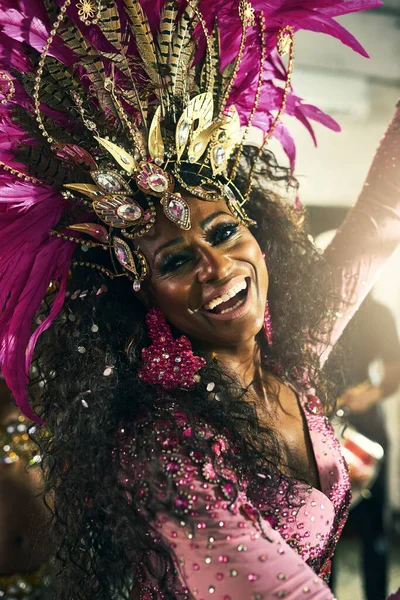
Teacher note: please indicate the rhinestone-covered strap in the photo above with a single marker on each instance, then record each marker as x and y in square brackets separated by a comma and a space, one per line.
[369, 234]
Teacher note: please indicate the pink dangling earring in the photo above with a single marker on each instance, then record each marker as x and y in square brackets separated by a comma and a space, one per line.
[267, 325]
[168, 362]
[267, 319]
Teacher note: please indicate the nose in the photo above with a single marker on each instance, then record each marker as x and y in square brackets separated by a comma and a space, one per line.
[213, 264]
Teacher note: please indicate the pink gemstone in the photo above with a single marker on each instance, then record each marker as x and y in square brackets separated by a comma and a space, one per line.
[313, 404]
[176, 209]
[168, 442]
[219, 446]
[197, 455]
[249, 512]
[180, 418]
[173, 467]
[181, 503]
[209, 472]
[122, 256]
[229, 491]
[272, 520]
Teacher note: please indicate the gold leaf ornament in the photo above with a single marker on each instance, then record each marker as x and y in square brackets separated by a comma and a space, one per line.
[225, 140]
[199, 143]
[87, 189]
[118, 211]
[155, 140]
[123, 158]
[199, 112]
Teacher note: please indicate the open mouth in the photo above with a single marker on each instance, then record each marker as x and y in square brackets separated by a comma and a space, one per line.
[230, 301]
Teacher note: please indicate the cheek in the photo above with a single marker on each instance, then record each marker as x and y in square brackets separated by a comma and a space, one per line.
[171, 296]
[252, 253]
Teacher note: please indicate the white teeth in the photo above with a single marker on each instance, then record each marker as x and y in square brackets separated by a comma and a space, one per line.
[230, 309]
[242, 285]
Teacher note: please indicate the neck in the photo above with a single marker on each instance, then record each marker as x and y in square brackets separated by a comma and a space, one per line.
[244, 361]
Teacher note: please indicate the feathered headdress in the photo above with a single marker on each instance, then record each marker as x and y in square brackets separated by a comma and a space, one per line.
[108, 106]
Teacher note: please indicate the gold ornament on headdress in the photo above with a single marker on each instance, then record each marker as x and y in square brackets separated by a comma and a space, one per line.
[184, 134]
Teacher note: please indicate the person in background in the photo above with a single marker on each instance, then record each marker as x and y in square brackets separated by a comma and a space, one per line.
[24, 547]
[371, 337]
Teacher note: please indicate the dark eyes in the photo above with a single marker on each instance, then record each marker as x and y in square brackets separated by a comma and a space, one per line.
[223, 232]
[218, 235]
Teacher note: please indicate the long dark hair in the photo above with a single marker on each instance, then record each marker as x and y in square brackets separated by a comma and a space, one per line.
[84, 384]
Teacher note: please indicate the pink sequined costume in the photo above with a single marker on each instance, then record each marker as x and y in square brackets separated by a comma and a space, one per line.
[228, 540]
[235, 546]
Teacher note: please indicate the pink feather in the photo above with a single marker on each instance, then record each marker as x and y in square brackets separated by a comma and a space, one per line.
[29, 260]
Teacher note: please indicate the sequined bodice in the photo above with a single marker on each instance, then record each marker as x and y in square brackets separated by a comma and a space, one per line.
[214, 517]
[314, 527]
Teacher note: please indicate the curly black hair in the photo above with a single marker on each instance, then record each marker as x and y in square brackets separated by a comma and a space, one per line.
[85, 386]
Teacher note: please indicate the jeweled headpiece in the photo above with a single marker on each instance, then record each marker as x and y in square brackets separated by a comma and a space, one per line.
[109, 106]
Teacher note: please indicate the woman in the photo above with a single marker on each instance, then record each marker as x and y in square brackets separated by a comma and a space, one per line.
[188, 454]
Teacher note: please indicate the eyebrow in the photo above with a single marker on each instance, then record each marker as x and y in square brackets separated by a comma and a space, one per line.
[179, 240]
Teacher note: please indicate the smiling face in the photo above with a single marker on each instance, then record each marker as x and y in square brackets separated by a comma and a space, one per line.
[211, 282]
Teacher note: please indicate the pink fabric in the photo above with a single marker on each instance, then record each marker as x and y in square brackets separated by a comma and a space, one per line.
[240, 549]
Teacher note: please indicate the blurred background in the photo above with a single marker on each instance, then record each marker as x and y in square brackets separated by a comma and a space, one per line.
[361, 95]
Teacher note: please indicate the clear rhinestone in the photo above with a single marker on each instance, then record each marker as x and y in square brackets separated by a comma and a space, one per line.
[183, 133]
[129, 212]
[158, 182]
[136, 285]
[229, 193]
[219, 155]
[108, 182]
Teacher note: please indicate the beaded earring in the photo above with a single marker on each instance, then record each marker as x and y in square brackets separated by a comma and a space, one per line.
[267, 325]
[267, 319]
[168, 362]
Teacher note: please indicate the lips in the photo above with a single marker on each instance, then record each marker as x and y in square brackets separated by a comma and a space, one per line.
[237, 303]
[227, 298]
